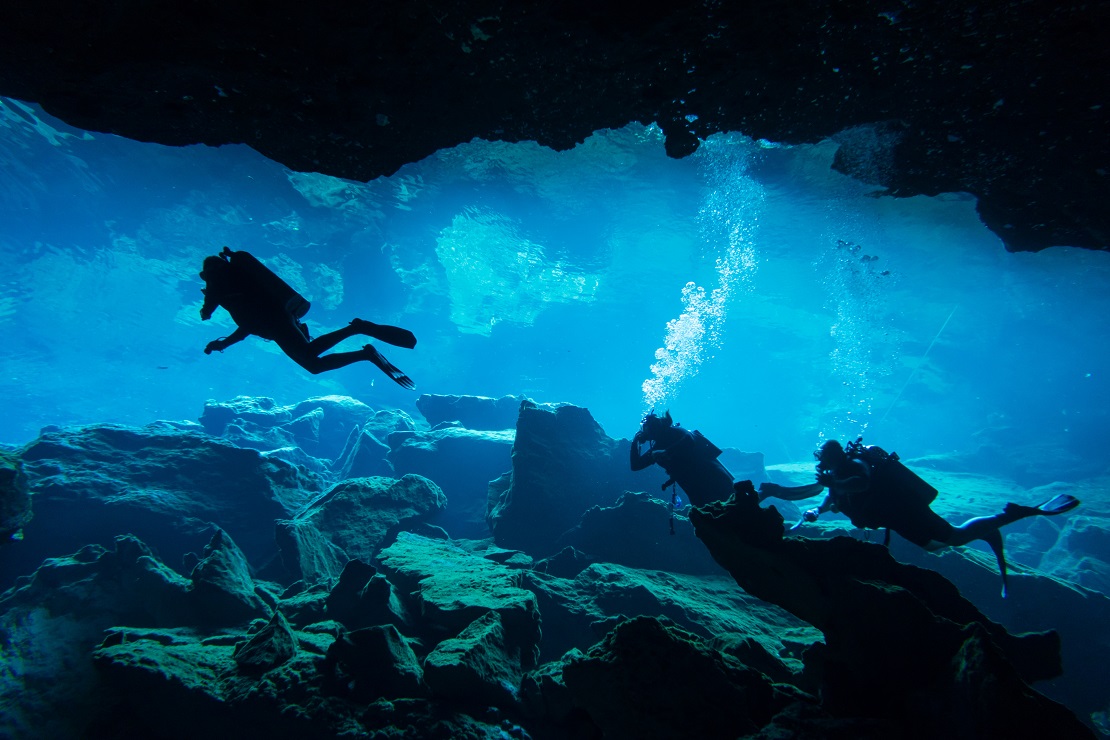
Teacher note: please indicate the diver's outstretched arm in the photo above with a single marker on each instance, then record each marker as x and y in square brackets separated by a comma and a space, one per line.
[223, 343]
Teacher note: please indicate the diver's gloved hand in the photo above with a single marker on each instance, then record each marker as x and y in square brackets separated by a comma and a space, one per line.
[826, 479]
[214, 346]
[810, 515]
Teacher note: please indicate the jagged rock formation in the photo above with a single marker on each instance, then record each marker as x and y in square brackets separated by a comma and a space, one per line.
[165, 484]
[439, 636]
[923, 98]
[15, 501]
[893, 633]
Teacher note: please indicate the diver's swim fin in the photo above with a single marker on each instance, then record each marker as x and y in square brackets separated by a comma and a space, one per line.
[1058, 505]
[994, 539]
[789, 493]
[394, 335]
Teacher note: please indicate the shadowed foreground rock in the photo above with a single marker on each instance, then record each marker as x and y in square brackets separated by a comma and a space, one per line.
[901, 643]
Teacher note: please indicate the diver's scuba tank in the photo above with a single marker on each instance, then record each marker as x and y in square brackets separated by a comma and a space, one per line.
[889, 477]
[268, 282]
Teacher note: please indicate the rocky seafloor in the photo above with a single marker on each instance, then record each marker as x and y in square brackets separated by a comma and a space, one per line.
[494, 569]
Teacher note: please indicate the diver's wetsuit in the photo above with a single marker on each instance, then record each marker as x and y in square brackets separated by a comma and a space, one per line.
[689, 463]
[881, 506]
[254, 306]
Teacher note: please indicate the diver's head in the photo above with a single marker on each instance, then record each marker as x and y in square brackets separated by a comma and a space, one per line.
[652, 424]
[830, 456]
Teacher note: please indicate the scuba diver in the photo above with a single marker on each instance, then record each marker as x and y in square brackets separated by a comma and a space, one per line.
[689, 459]
[263, 304]
[875, 490]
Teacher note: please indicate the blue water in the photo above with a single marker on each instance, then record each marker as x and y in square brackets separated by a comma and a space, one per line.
[763, 298]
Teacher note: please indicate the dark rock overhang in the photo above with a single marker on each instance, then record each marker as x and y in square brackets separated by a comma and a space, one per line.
[1004, 100]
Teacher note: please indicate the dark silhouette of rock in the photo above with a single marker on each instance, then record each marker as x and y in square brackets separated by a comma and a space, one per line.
[363, 598]
[165, 485]
[471, 412]
[637, 531]
[462, 462]
[15, 501]
[923, 98]
[268, 648]
[650, 680]
[562, 464]
[373, 662]
[898, 639]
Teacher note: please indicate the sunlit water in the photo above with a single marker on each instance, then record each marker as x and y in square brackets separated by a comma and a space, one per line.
[761, 297]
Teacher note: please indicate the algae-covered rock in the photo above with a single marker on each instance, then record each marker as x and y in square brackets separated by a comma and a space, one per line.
[15, 500]
[462, 462]
[477, 665]
[222, 583]
[650, 680]
[268, 648]
[354, 519]
[452, 587]
[371, 663]
[165, 485]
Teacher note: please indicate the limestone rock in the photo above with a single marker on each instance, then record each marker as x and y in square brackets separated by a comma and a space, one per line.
[451, 587]
[15, 501]
[354, 519]
[164, 485]
[222, 584]
[362, 598]
[649, 680]
[477, 665]
[892, 632]
[579, 611]
[472, 412]
[363, 456]
[371, 663]
[462, 462]
[636, 531]
[268, 648]
[562, 464]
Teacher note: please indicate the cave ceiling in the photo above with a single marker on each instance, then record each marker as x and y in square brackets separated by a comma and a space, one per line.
[1004, 100]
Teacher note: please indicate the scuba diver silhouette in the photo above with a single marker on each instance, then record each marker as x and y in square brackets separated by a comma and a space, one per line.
[875, 490]
[688, 458]
[263, 304]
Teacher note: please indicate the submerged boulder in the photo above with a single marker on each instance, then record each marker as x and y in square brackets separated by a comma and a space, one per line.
[650, 680]
[894, 634]
[462, 462]
[451, 587]
[15, 501]
[167, 486]
[641, 532]
[472, 412]
[562, 464]
[477, 665]
[354, 519]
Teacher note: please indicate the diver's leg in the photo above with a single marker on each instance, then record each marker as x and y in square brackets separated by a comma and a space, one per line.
[324, 342]
[304, 354]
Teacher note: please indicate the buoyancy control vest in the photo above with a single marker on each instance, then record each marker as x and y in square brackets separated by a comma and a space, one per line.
[892, 486]
[267, 282]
